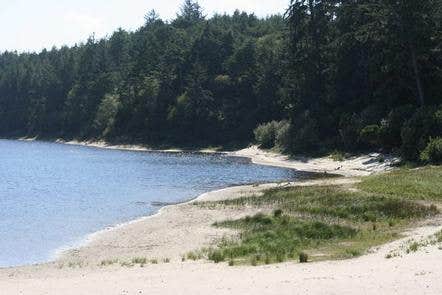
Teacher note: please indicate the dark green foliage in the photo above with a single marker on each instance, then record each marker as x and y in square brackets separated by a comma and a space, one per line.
[346, 75]
[277, 213]
[191, 81]
[272, 134]
[357, 70]
[418, 130]
[265, 134]
[371, 135]
[303, 257]
[216, 256]
[433, 152]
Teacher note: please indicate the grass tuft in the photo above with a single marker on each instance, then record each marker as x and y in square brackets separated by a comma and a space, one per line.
[418, 184]
[329, 222]
[139, 260]
[303, 257]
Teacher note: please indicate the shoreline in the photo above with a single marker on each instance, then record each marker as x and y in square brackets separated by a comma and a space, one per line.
[354, 166]
[256, 156]
[177, 229]
[65, 252]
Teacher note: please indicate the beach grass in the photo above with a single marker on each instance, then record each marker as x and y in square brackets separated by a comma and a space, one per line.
[328, 222]
[423, 183]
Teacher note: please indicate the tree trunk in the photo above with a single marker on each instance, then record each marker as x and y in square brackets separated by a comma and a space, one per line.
[417, 77]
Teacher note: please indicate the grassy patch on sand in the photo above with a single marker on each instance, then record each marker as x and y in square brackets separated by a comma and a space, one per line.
[419, 184]
[327, 222]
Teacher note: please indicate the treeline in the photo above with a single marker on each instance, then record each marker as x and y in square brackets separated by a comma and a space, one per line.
[347, 75]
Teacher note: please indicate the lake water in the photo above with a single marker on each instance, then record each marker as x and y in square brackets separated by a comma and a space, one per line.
[53, 195]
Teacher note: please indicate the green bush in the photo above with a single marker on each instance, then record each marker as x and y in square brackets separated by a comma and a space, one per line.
[417, 131]
[216, 256]
[349, 130]
[273, 134]
[283, 138]
[303, 257]
[265, 134]
[433, 152]
[305, 135]
[392, 125]
[106, 113]
[371, 135]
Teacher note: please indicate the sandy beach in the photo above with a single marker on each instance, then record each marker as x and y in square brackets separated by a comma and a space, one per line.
[178, 229]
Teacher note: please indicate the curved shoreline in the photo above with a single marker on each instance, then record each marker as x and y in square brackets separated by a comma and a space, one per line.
[255, 155]
[354, 166]
[350, 168]
[175, 229]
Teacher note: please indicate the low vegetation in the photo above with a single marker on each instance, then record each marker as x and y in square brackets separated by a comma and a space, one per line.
[433, 152]
[328, 222]
[274, 239]
[418, 184]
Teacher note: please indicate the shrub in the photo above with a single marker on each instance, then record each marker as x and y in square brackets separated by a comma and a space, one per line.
[417, 131]
[216, 256]
[273, 134]
[371, 135]
[337, 156]
[139, 260]
[305, 135]
[277, 213]
[283, 138]
[265, 134]
[433, 152]
[106, 113]
[413, 247]
[253, 261]
[391, 129]
[303, 257]
[349, 130]
[353, 252]
[371, 114]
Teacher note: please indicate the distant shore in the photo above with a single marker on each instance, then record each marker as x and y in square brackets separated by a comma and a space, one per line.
[354, 166]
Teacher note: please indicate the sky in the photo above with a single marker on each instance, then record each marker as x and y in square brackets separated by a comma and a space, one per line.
[31, 25]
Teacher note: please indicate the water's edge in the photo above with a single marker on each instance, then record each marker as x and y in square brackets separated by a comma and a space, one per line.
[58, 253]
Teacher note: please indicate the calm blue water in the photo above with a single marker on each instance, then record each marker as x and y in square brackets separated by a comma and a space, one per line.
[53, 195]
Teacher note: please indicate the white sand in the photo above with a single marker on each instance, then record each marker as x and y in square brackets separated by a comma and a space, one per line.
[354, 166]
[417, 273]
[181, 228]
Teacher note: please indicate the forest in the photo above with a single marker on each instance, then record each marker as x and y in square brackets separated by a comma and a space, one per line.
[325, 75]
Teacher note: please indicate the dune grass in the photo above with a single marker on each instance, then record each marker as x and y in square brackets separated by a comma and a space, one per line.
[273, 238]
[328, 222]
[418, 184]
[337, 202]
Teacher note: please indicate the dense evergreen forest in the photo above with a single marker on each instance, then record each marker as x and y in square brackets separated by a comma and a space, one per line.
[327, 74]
